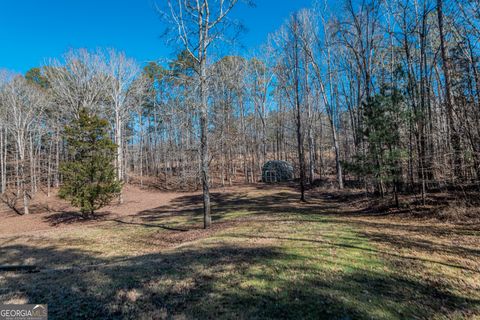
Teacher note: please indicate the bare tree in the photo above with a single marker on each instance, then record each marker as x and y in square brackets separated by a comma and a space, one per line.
[23, 105]
[326, 75]
[199, 23]
[78, 81]
[125, 89]
[290, 73]
[454, 136]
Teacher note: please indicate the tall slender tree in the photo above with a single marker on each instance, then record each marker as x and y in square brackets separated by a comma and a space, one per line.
[199, 24]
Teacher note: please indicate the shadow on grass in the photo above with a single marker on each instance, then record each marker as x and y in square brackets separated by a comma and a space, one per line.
[216, 282]
[160, 226]
[284, 202]
[283, 206]
[236, 282]
[332, 243]
[74, 217]
[227, 203]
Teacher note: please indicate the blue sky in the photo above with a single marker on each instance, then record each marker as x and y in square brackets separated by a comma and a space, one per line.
[32, 31]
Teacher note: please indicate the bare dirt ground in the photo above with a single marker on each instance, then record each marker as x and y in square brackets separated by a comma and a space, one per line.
[53, 213]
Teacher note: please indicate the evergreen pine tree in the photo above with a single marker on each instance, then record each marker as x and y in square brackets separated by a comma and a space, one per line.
[382, 161]
[89, 178]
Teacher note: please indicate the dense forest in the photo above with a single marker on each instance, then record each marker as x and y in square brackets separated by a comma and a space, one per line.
[382, 96]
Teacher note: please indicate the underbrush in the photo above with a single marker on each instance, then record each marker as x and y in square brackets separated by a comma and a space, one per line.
[452, 206]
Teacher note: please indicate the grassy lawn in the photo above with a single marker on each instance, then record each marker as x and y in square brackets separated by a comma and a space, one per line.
[267, 257]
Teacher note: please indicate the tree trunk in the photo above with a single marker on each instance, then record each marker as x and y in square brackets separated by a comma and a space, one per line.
[454, 137]
[207, 220]
[118, 138]
[301, 156]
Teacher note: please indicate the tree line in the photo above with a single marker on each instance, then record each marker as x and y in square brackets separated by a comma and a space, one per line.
[381, 95]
